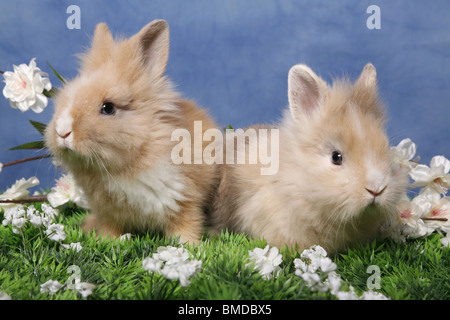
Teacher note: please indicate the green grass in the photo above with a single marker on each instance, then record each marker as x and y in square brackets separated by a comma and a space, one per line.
[417, 269]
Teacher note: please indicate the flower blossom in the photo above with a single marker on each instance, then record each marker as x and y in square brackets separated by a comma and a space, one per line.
[435, 210]
[317, 260]
[52, 286]
[373, 295]
[436, 176]
[403, 154]
[445, 241]
[24, 88]
[410, 223]
[73, 246]
[56, 232]
[318, 272]
[4, 296]
[266, 261]
[173, 263]
[84, 288]
[18, 191]
[34, 216]
[16, 217]
[125, 237]
[66, 190]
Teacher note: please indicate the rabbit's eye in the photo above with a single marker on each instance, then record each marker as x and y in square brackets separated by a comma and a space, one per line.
[108, 109]
[336, 158]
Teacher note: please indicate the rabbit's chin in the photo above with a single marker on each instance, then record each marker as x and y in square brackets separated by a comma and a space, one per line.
[74, 161]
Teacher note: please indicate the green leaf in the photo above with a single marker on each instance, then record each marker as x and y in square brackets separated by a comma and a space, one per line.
[39, 126]
[51, 93]
[228, 127]
[56, 73]
[30, 145]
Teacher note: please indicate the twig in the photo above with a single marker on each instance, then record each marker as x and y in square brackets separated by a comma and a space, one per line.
[2, 72]
[435, 219]
[26, 160]
[28, 200]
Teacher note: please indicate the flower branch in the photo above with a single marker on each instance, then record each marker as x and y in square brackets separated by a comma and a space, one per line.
[26, 160]
[31, 199]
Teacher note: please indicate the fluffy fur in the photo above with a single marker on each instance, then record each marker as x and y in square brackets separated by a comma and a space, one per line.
[311, 200]
[122, 161]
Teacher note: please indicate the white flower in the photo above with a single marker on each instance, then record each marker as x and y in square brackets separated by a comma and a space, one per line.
[311, 279]
[51, 286]
[435, 176]
[16, 217]
[300, 266]
[34, 216]
[74, 246]
[56, 232]
[410, 223]
[4, 296]
[170, 272]
[181, 270]
[1, 166]
[25, 86]
[373, 295]
[152, 264]
[333, 282]
[48, 214]
[18, 191]
[49, 211]
[317, 259]
[435, 209]
[84, 288]
[327, 265]
[18, 220]
[125, 237]
[173, 263]
[266, 261]
[188, 269]
[66, 190]
[170, 253]
[314, 252]
[347, 295]
[445, 241]
[403, 154]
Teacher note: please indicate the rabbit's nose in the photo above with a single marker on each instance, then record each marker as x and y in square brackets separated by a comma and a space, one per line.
[376, 193]
[64, 135]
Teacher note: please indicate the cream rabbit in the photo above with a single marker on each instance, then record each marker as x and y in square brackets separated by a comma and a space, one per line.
[336, 181]
[112, 130]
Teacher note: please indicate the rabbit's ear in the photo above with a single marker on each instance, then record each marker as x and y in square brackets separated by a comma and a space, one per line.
[153, 41]
[305, 91]
[365, 92]
[368, 77]
[103, 39]
[102, 42]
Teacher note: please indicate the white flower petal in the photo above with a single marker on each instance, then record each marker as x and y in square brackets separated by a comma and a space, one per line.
[151, 264]
[420, 174]
[40, 104]
[4, 296]
[440, 162]
[51, 286]
[57, 199]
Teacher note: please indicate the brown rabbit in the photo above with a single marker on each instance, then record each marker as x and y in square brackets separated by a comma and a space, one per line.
[336, 181]
[112, 130]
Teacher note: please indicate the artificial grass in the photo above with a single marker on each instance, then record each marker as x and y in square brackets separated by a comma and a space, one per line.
[417, 269]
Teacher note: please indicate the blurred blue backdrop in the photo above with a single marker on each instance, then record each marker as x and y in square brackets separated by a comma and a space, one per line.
[233, 56]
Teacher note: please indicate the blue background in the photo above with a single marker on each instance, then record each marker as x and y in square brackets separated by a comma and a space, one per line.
[232, 57]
